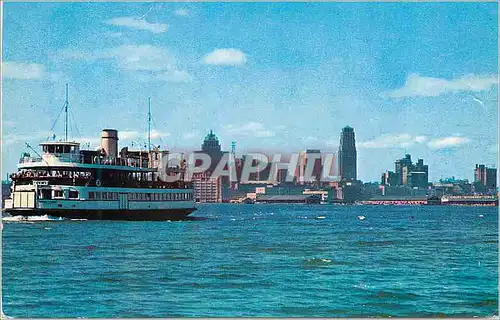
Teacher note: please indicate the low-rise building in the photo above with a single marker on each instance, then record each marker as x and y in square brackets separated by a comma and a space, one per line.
[207, 188]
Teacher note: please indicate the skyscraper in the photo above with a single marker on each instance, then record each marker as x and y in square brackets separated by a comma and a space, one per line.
[485, 176]
[412, 175]
[211, 144]
[212, 148]
[402, 168]
[347, 155]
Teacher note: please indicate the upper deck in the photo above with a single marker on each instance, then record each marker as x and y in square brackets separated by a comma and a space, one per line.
[68, 155]
[63, 162]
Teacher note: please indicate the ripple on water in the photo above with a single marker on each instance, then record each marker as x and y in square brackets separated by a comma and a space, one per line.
[280, 266]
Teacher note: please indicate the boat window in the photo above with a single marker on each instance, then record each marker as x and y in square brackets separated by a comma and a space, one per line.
[58, 194]
[46, 194]
[59, 149]
[73, 194]
[91, 195]
[51, 149]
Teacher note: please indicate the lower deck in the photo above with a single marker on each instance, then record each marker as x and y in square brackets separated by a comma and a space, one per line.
[101, 203]
[134, 215]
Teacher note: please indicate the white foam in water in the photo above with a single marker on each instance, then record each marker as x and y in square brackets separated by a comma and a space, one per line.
[32, 218]
[361, 217]
[321, 217]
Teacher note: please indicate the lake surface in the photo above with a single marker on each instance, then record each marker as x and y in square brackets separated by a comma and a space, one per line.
[258, 260]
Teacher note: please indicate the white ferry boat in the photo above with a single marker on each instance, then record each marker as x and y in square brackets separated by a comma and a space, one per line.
[65, 181]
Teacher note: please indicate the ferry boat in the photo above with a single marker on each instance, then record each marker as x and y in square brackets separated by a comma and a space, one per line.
[66, 181]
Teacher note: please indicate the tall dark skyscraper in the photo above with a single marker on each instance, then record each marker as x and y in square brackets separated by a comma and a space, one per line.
[211, 144]
[211, 147]
[347, 155]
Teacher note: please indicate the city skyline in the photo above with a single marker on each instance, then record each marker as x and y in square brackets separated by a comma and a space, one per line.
[402, 91]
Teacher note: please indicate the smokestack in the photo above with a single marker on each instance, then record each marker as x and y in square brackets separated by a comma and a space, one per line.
[109, 142]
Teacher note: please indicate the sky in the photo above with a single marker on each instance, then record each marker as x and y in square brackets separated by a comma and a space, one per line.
[417, 78]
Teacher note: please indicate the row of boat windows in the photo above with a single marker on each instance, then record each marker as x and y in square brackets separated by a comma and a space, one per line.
[56, 194]
[139, 196]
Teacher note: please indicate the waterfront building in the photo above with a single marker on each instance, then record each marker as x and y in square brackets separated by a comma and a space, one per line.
[370, 189]
[402, 168]
[486, 177]
[281, 175]
[310, 157]
[347, 156]
[349, 191]
[302, 198]
[325, 195]
[389, 178]
[207, 188]
[409, 174]
[419, 175]
[402, 191]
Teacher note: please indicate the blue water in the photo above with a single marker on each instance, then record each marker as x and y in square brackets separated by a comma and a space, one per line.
[258, 260]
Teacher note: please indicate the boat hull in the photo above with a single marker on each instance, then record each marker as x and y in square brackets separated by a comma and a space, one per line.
[130, 215]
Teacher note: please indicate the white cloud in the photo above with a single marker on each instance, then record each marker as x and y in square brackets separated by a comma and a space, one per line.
[174, 76]
[431, 87]
[127, 135]
[181, 12]
[157, 61]
[225, 57]
[138, 23]
[254, 129]
[447, 142]
[402, 140]
[155, 134]
[420, 139]
[23, 71]
[140, 57]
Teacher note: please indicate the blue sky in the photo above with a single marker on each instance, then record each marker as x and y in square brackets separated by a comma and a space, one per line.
[420, 78]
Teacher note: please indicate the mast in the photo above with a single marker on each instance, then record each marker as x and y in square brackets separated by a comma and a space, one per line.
[66, 103]
[149, 124]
